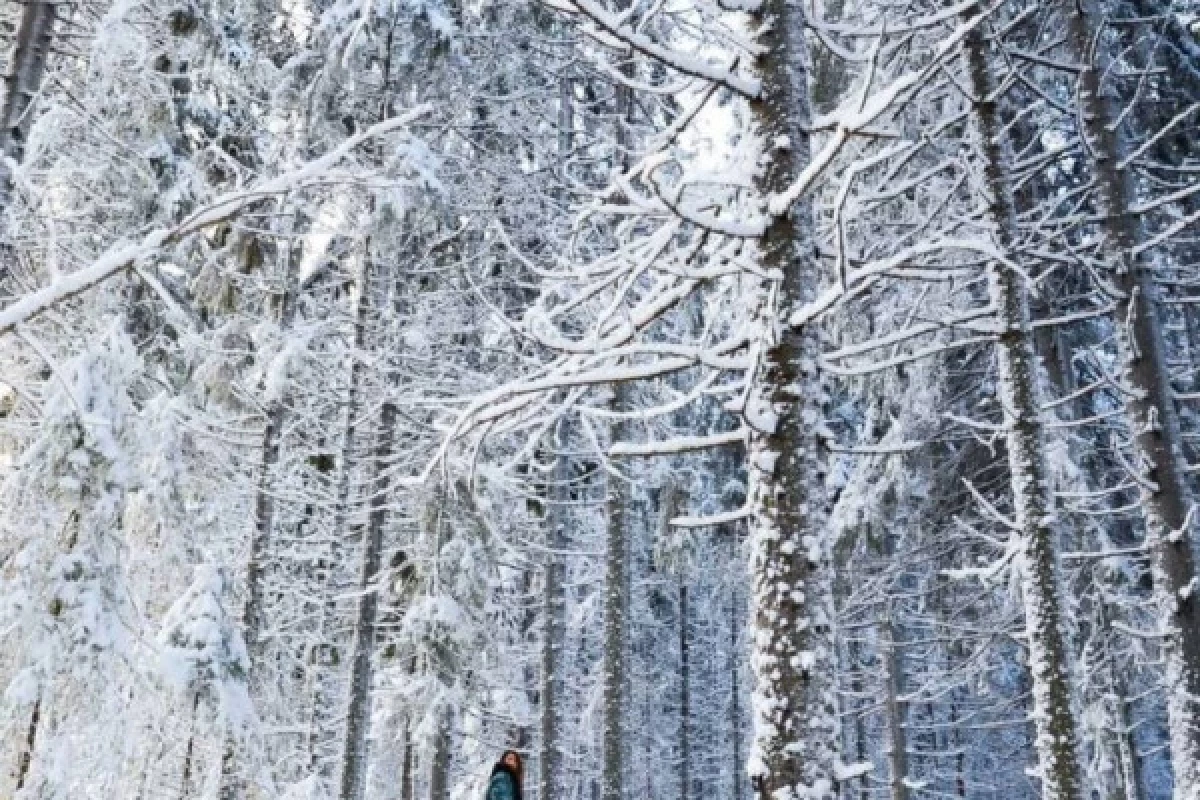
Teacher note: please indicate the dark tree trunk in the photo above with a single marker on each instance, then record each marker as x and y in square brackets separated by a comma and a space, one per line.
[358, 713]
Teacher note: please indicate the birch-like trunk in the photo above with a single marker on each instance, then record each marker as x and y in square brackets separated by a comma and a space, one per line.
[1153, 420]
[31, 48]
[358, 712]
[795, 713]
[1033, 495]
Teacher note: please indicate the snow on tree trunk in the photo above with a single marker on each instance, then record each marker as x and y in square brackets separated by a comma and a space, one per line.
[1166, 500]
[25, 759]
[795, 754]
[896, 723]
[553, 602]
[34, 37]
[735, 690]
[358, 714]
[439, 762]
[616, 606]
[322, 713]
[685, 700]
[1033, 497]
[254, 614]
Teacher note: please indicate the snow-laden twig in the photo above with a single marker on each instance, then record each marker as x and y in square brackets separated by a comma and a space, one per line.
[124, 254]
[870, 109]
[678, 444]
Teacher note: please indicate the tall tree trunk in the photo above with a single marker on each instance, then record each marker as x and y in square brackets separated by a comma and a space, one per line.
[960, 760]
[685, 699]
[795, 727]
[407, 771]
[616, 604]
[1128, 767]
[253, 614]
[617, 581]
[439, 764]
[185, 782]
[735, 690]
[358, 713]
[896, 710]
[320, 700]
[855, 737]
[553, 607]
[1166, 499]
[31, 48]
[1033, 494]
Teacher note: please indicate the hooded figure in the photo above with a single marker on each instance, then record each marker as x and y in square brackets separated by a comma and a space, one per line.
[505, 783]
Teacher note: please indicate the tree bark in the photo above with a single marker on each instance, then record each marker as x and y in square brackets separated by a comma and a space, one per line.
[320, 699]
[1128, 766]
[358, 713]
[34, 38]
[896, 711]
[407, 771]
[25, 759]
[795, 726]
[550, 761]
[685, 699]
[253, 614]
[439, 764]
[616, 605]
[735, 691]
[1033, 496]
[185, 783]
[1153, 419]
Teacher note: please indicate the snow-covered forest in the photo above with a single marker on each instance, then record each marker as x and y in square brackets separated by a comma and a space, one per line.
[707, 399]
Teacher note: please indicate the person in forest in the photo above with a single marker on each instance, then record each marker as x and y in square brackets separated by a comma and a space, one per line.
[505, 783]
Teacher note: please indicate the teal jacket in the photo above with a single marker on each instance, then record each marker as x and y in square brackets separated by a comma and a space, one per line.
[502, 786]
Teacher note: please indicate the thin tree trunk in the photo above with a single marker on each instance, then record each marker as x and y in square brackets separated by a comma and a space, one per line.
[615, 624]
[1153, 418]
[185, 783]
[856, 735]
[795, 728]
[358, 714]
[735, 700]
[1128, 766]
[685, 699]
[1033, 498]
[617, 586]
[896, 708]
[34, 37]
[253, 615]
[407, 771]
[346, 465]
[439, 767]
[550, 762]
[25, 759]
[960, 760]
